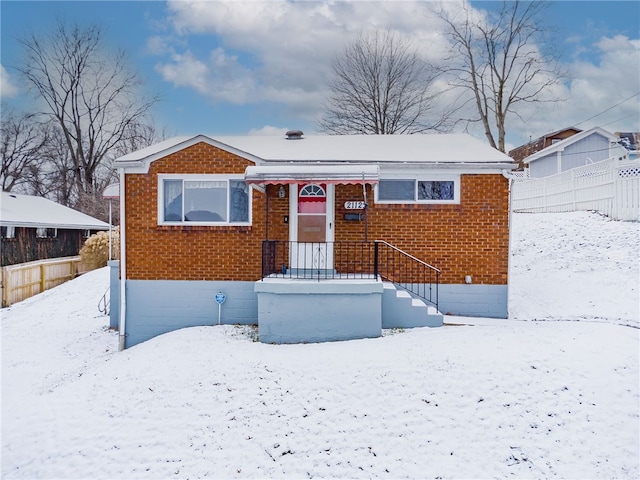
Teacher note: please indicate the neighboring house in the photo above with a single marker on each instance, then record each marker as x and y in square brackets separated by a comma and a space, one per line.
[584, 148]
[594, 170]
[280, 232]
[34, 228]
[534, 146]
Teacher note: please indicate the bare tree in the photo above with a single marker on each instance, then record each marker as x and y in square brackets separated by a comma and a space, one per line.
[22, 142]
[498, 60]
[91, 95]
[380, 86]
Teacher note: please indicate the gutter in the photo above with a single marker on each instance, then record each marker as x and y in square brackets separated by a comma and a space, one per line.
[511, 178]
[123, 266]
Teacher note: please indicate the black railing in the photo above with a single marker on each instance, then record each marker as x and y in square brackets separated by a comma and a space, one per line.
[350, 260]
[406, 271]
[317, 260]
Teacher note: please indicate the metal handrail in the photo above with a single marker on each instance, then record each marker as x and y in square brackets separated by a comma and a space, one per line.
[408, 255]
[104, 303]
[407, 272]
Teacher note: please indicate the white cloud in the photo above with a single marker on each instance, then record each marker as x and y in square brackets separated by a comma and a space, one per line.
[594, 88]
[281, 52]
[186, 71]
[287, 47]
[8, 89]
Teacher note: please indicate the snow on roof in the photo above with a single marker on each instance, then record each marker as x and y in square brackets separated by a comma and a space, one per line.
[154, 149]
[29, 211]
[369, 148]
[436, 148]
[340, 174]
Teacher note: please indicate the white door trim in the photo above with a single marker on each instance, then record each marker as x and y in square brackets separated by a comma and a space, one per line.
[330, 222]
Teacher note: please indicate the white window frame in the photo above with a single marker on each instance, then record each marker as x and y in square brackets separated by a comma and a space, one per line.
[203, 178]
[9, 231]
[427, 178]
[43, 232]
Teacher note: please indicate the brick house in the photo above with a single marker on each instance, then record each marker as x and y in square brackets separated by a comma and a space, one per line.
[312, 237]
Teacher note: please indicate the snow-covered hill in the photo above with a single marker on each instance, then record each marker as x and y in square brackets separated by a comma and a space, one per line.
[517, 398]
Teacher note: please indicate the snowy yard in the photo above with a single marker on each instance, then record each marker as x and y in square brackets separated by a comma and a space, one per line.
[557, 397]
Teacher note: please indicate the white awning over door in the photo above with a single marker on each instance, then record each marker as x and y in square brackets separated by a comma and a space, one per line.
[336, 174]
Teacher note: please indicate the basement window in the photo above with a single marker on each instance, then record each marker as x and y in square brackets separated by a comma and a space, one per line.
[203, 200]
[432, 190]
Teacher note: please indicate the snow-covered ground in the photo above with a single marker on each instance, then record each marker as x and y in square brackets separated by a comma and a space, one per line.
[518, 398]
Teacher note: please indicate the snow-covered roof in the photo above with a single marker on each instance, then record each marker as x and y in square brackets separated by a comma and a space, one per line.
[560, 146]
[29, 211]
[396, 149]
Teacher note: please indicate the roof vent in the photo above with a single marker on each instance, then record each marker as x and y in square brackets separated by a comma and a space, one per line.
[294, 135]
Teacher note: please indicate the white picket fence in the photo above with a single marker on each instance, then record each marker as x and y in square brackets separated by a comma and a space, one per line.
[610, 187]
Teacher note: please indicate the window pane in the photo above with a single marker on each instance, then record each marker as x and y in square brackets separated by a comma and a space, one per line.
[312, 228]
[8, 232]
[239, 211]
[396, 190]
[305, 206]
[41, 232]
[172, 200]
[205, 201]
[435, 190]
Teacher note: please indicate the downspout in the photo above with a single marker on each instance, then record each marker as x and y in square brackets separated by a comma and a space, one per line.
[366, 211]
[266, 194]
[510, 177]
[123, 265]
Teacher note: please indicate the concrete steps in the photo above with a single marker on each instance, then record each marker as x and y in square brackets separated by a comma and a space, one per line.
[401, 310]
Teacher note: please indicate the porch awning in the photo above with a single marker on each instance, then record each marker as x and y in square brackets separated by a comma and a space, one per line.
[340, 174]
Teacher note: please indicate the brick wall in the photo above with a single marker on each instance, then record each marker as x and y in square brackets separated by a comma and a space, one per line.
[471, 238]
[157, 252]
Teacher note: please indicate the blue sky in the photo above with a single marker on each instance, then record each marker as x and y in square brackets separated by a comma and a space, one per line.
[261, 67]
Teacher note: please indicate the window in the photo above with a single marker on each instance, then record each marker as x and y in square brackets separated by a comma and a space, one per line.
[43, 232]
[418, 191]
[204, 200]
[8, 232]
[86, 233]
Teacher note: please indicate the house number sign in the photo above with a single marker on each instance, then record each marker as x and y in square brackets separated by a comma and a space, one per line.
[354, 205]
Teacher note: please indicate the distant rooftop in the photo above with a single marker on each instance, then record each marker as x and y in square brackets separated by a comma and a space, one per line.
[30, 211]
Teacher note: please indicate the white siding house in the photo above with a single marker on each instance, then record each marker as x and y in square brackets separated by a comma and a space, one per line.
[581, 149]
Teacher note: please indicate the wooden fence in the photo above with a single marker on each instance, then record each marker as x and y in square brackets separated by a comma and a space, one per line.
[610, 187]
[24, 280]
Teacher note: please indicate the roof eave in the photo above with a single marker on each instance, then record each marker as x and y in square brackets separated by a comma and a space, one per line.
[11, 223]
[141, 165]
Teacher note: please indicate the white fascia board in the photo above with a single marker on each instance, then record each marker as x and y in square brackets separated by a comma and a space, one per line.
[141, 165]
